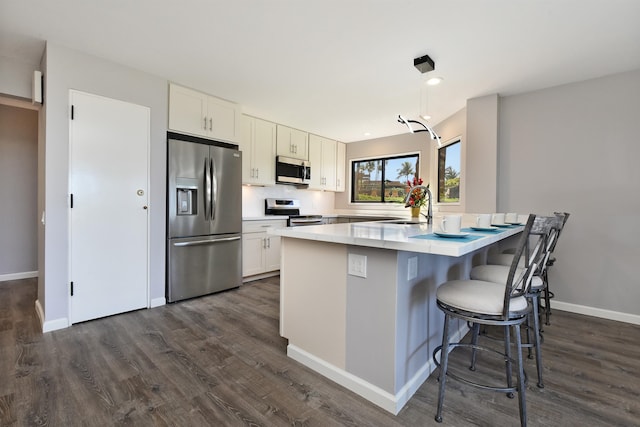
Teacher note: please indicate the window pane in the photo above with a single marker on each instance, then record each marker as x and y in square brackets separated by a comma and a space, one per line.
[367, 185]
[449, 173]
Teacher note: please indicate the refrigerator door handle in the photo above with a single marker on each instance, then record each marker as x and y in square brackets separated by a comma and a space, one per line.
[214, 189]
[206, 242]
[207, 190]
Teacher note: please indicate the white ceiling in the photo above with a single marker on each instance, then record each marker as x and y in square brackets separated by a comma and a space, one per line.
[339, 68]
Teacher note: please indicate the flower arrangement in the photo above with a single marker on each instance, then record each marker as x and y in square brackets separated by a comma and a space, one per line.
[418, 197]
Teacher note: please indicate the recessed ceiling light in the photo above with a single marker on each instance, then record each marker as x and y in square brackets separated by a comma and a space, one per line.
[425, 116]
[434, 81]
[367, 134]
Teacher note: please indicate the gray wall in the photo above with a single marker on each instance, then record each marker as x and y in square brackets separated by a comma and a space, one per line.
[16, 77]
[18, 190]
[66, 69]
[575, 148]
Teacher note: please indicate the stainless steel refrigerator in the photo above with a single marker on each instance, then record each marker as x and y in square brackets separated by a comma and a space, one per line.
[204, 217]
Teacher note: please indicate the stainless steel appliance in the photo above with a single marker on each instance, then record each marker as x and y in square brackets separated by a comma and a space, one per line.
[204, 217]
[291, 208]
[292, 171]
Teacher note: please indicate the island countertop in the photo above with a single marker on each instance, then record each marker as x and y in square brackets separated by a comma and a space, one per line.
[414, 237]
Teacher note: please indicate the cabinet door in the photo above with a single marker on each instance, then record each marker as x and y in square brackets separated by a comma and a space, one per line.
[246, 146]
[299, 141]
[187, 110]
[341, 165]
[264, 152]
[272, 254]
[315, 159]
[223, 120]
[253, 253]
[292, 143]
[329, 164]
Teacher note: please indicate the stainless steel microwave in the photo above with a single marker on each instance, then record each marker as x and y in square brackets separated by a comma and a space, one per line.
[292, 171]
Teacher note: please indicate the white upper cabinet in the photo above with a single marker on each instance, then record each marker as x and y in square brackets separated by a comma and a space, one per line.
[341, 165]
[199, 114]
[322, 157]
[292, 143]
[258, 146]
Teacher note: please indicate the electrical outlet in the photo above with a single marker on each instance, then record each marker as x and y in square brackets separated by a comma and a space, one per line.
[412, 268]
[357, 265]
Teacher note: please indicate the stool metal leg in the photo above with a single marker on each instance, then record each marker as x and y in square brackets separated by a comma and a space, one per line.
[522, 405]
[474, 342]
[547, 298]
[507, 353]
[536, 331]
[444, 362]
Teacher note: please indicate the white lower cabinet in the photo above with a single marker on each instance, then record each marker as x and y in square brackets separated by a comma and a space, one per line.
[260, 251]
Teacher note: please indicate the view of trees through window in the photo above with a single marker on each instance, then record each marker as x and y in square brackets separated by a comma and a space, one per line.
[449, 173]
[383, 180]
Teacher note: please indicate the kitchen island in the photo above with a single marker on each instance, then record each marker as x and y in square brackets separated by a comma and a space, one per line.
[357, 301]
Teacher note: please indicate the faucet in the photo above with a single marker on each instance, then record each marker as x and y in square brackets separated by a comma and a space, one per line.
[429, 214]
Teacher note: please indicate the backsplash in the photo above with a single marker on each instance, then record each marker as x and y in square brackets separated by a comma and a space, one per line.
[311, 202]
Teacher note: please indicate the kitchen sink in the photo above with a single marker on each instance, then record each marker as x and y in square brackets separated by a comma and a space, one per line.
[404, 222]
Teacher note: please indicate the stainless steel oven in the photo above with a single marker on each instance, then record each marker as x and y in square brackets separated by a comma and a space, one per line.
[290, 208]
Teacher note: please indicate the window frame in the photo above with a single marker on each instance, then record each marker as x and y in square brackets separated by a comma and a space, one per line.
[382, 158]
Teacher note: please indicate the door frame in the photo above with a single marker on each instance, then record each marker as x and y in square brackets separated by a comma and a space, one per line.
[69, 180]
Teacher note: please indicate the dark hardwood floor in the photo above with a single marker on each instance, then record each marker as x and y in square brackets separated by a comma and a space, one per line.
[219, 360]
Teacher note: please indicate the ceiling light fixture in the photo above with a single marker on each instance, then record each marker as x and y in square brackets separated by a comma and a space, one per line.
[426, 128]
[433, 81]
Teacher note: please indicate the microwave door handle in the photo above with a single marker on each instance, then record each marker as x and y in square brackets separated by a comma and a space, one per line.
[214, 186]
[207, 190]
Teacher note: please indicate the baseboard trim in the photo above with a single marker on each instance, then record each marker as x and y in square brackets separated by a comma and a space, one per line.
[374, 394]
[595, 312]
[18, 276]
[51, 325]
[157, 302]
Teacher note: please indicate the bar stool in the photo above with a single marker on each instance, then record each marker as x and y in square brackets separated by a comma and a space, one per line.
[563, 217]
[505, 257]
[488, 303]
[546, 231]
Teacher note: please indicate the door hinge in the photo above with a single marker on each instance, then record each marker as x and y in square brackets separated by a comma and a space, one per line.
[72, 112]
[71, 202]
[71, 288]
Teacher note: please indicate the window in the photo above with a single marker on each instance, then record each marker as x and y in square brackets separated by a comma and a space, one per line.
[449, 173]
[382, 180]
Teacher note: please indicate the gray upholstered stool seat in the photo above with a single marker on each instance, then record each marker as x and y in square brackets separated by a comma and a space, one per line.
[499, 273]
[478, 296]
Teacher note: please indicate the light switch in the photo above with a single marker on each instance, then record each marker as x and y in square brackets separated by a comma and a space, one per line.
[357, 265]
[412, 268]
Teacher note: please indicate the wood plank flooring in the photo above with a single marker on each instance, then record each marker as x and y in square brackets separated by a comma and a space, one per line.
[219, 361]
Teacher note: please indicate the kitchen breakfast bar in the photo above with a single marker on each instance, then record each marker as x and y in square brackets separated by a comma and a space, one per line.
[358, 300]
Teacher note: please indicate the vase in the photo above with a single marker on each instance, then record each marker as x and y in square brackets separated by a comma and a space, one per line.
[415, 212]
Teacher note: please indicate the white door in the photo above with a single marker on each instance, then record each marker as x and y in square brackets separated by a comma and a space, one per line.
[109, 145]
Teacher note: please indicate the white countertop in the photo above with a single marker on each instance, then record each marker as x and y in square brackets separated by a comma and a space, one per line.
[386, 235]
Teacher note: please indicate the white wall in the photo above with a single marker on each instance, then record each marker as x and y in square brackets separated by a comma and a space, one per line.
[575, 148]
[18, 191]
[311, 202]
[66, 69]
[16, 76]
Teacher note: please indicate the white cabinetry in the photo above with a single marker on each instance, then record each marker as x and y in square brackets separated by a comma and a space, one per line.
[341, 165]
[258, 146]
[260, 251]
[322, 157]
[197, 113]
[292, 143]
